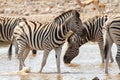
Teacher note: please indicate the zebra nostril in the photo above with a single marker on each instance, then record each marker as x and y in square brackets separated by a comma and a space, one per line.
[66, 60]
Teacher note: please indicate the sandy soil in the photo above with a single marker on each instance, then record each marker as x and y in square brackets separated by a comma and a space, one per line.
[46, 10]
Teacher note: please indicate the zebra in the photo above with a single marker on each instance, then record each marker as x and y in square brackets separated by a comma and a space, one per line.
[30, 35]
[112, 35]
[94, 33]
[7, 26]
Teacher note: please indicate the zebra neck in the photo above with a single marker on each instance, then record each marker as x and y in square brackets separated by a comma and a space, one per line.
[68, 34]
[66, 31]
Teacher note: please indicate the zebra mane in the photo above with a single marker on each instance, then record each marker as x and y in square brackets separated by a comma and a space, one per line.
[61, 18]
[8, 18]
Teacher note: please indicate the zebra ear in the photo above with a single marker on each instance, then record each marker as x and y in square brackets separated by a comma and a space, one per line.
[75, 13]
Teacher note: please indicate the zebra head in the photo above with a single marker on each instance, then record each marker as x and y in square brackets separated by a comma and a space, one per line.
[75, 24]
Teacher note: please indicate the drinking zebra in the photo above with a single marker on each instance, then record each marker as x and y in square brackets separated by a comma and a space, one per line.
[7, 25]
[112, 35]
[30, 35]
[94, 33]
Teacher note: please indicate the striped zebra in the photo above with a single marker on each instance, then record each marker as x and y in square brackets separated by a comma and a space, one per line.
[30, 35]
[7, 25]
[112, 35]
[94, 34]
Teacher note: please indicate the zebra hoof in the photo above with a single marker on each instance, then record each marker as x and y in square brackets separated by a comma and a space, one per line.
[106, 71]
[26, 70]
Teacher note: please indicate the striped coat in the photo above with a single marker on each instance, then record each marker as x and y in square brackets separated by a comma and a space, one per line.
[32, 35]
[94, 33]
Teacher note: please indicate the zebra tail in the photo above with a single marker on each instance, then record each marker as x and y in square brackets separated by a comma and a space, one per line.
[10, 50]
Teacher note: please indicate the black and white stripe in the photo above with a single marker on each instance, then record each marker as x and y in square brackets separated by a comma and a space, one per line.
[32, 35]
[94, 34]
[7, 26]
[112, 35]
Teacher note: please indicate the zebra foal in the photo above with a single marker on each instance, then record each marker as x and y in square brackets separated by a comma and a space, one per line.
[30, 35]
[94, 33]
[112, 35]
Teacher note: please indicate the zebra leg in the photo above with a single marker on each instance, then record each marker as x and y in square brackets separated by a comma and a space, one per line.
[100, 42]
[107, 61]
[21, 50]
[101, 52]
[16, 48]
[20, 56]
[26, 69]
[111, 57]
[26, 52]
[58, 53]
[45, 56]
[118, 57]
[107, 50]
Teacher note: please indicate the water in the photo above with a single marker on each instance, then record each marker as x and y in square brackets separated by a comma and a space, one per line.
[86, 66]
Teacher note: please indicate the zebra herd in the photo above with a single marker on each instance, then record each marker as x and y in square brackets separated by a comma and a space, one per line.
[29, 35]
